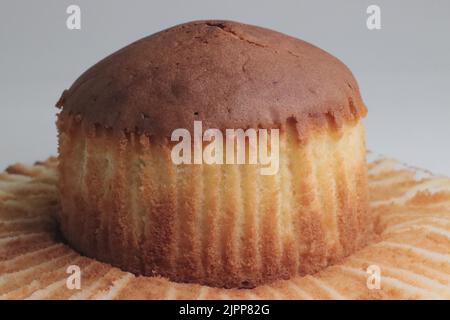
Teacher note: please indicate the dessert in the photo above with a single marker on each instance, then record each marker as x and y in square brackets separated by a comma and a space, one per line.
[125, 202]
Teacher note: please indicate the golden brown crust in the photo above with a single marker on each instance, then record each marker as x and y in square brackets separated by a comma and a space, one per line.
[411, 249]
[127, 204]
[226, 74]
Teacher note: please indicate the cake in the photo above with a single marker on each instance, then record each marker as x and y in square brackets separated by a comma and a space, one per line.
[125, 202]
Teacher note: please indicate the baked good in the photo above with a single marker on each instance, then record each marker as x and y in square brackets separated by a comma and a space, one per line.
[411, 248]
[125, 202]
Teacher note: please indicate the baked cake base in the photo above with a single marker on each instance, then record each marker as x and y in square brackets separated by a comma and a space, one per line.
[412, 247]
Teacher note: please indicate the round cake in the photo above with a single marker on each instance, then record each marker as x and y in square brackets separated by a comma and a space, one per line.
[125, 201]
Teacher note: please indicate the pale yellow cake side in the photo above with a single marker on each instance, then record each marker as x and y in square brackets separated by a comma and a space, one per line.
[124, 202]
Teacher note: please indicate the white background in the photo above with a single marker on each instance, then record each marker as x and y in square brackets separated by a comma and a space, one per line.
[403, 69]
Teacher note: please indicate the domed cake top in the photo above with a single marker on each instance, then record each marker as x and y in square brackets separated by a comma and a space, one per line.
[226, 74]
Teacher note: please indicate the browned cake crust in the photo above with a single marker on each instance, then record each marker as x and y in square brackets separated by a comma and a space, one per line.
[227, 74]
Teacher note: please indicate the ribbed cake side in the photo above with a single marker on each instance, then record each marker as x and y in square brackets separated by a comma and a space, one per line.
[126, 203]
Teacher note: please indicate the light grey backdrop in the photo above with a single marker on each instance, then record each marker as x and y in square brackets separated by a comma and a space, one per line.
[403, 69]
